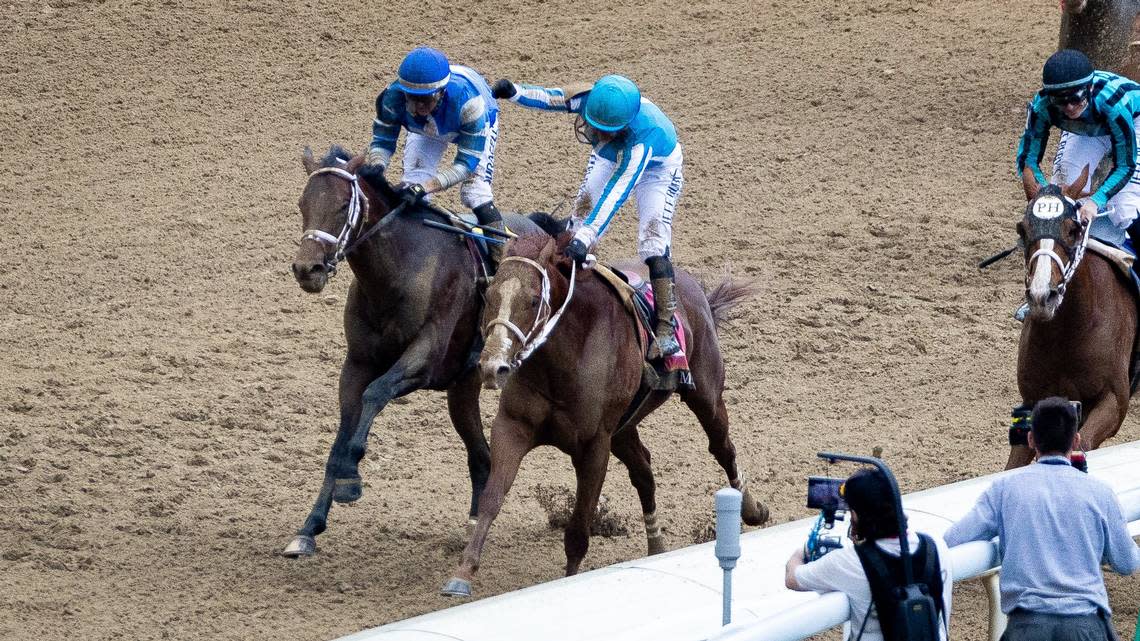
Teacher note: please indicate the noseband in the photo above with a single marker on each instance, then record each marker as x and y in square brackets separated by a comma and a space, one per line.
[544, 321]
[1076, 254]
[357, 211]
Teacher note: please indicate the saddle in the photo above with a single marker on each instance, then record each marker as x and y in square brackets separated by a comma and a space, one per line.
[1112, 244]
[664, 375]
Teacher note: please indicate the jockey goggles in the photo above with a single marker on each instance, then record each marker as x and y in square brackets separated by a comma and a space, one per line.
[1069, 97]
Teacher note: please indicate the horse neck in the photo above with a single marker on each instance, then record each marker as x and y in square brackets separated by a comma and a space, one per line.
[1079, 304]
[376, 262]
[586, 309]
[1101, 31]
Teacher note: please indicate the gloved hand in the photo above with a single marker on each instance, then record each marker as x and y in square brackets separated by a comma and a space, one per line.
[1088, 210]
[372, 174]
[503, 88]
[411, 193]
[577, 250]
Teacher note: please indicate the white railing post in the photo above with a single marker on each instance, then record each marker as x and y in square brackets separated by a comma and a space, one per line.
[998, 620]
[727, 543]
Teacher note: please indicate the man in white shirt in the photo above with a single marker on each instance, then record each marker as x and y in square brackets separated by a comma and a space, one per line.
[873, 522]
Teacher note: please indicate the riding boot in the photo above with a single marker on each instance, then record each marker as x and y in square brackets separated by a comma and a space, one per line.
[665, 299]
[488, 216]
[1134, 234]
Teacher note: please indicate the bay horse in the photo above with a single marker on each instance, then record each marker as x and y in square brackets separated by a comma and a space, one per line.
[1106, 31]
[1077, 340]
[411, 318]
[579, 372]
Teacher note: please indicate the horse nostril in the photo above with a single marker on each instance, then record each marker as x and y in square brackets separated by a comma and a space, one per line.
[502, 370]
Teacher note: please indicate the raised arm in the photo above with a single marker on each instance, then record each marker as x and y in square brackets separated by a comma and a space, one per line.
[568, 98]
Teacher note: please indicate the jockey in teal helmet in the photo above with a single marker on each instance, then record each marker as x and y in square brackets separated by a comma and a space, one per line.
[1096, 113]
[635, 151]
[440, 103]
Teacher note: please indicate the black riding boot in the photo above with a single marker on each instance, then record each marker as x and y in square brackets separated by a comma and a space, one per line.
[488, 216]
[1134, 234]
[661, 278]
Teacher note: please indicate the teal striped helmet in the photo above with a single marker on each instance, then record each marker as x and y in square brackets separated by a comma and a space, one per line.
[612, 104]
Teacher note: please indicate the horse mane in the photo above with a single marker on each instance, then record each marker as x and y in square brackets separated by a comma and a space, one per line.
[529, 245]
[548, 223]
[336, 156]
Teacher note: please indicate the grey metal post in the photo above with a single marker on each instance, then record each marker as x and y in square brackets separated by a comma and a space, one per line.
[727, 542]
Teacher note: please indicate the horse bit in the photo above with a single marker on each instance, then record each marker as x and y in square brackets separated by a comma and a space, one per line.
[544, 321]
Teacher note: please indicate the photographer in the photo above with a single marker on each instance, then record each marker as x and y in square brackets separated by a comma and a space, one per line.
[1056, 526]
[875, 529]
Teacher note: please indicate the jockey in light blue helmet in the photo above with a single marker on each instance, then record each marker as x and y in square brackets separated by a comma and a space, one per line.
[439, 104]
[613, 103]
[634, 153]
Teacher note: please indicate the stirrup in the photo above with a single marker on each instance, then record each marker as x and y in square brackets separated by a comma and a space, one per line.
[664, 347]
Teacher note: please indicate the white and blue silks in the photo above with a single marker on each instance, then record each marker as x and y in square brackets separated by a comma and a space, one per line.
[466, 115]
[644, 159]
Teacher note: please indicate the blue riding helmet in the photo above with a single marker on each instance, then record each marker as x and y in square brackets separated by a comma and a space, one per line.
[424, 71]
[612, 104]
[1065, 71]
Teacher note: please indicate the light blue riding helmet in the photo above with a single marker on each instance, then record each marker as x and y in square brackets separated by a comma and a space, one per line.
[424, 71]
[613, 103]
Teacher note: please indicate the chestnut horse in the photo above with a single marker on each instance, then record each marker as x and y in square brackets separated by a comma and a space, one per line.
[579, 372]
[1077, 340]
[410, 321]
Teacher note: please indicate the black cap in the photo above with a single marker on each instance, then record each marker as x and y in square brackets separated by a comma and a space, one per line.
[1066, 70]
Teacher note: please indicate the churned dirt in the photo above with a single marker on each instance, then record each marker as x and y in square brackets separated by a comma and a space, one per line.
[167, 393]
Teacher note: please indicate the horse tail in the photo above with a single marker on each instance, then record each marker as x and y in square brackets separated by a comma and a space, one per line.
[726, 296]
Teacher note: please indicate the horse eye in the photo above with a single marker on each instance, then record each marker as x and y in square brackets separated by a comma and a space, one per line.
[534, 300]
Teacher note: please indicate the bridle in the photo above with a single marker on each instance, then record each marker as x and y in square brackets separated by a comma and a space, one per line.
[357, 212]
[544, 320]
[1076, 254]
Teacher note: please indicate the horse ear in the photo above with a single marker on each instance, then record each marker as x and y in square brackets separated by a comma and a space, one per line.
[308, 161]
[1076, 189]
[354, 164]
[547, 254]
[1029, 182]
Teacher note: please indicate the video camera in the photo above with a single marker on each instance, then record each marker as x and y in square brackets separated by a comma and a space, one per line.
[824, 495]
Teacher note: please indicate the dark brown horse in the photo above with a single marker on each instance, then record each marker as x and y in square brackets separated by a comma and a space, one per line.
[1078, 338]
[579, 372]
[410, 321]
[1105, 31]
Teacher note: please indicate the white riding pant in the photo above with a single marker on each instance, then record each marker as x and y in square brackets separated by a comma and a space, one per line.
[657, 191]
[421, 163]
[1075, 152]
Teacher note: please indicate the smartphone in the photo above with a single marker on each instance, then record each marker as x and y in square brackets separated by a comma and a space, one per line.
[823, 493]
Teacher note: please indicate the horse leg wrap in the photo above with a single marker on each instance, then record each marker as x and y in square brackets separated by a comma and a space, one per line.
[653, 536]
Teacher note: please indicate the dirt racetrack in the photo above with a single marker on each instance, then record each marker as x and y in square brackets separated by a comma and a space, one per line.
[167, 395]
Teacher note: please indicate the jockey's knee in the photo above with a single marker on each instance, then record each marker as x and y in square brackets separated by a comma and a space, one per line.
[475, 193]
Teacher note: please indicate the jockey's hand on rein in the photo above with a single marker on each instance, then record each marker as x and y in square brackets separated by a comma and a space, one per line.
[577, 250]
[503, 88]
[412, 193]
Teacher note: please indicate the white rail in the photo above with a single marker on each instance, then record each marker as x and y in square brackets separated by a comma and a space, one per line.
[677, 596]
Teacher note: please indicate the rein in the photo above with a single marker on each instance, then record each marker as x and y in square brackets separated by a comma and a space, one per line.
[544, 321]
[1077, 253]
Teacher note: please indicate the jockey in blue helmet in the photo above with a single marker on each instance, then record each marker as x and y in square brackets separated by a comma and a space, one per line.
[440, 103]
[635, 151]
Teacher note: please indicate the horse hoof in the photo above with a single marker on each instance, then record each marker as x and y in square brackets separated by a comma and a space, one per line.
[456, 587]
[301, 545]
[656, 545]
[347, 490]
[753, 512]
